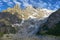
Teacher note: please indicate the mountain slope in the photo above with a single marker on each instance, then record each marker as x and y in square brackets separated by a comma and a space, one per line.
[6, 22]
[27, 22]
[52, 25]
[31, 19]
[53, 19]
[29, 12]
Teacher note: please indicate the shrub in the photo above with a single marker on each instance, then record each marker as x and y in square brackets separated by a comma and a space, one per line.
[55, 31]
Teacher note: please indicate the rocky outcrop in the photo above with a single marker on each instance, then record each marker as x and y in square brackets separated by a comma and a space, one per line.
[53, 19]
[6, 22]
[29, 12]
[9, 18]
[27, 21]
[52, 25]
[30, 19]
[11, 37]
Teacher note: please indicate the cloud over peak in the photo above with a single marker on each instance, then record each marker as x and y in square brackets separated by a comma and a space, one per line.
[48, 4]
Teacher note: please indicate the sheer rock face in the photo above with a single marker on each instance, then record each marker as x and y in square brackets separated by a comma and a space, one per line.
[7, 17]
[6, 22]
[29, 12]
[53, 19]
[31, 19]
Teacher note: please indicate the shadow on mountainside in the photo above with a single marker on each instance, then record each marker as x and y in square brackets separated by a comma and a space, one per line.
[6, 21]
[46, 27]
[52, 25]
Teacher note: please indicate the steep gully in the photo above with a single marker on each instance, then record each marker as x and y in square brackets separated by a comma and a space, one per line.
[31, 26]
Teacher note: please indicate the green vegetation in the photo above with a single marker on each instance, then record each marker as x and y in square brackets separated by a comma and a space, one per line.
[6, 29]
[6, 21]
[52, 31]
[13, 30]
[43, 30]
[1, 34]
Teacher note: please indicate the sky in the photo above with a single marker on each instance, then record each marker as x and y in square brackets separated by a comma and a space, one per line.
[48, 4]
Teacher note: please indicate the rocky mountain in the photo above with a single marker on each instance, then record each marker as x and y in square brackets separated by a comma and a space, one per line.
[29, 12]
[31, 18]
[6, 22]
[52, 25]
[7, 16]
[53, 19]
[27, 22]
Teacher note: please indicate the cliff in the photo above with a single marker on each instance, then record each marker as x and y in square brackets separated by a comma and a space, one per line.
[52, 25]
[6, 22]
[29, 12]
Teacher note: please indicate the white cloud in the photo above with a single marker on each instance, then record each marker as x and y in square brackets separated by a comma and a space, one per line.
[40, 4]
[6, 0]
[0, 1]
[25, 2]
[16, 2]
[10, 3]
[1, 4]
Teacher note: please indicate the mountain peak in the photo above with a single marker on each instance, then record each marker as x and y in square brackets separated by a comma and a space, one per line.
[29, 12]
